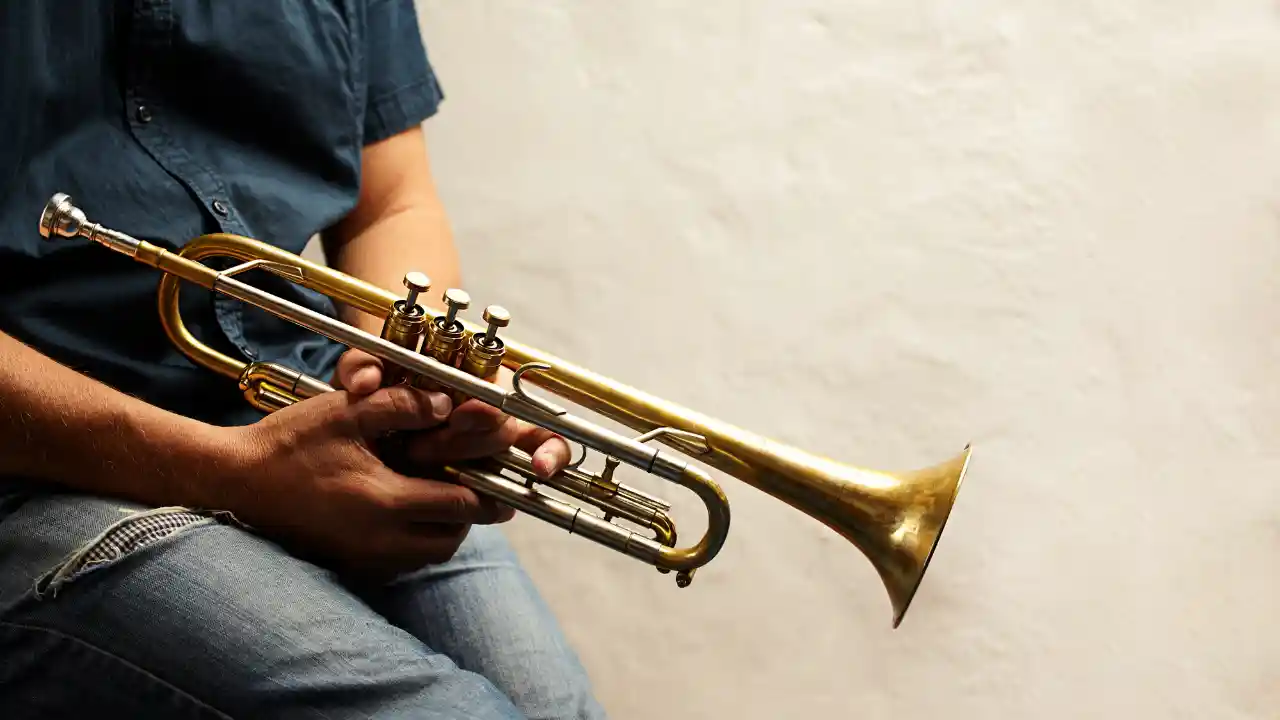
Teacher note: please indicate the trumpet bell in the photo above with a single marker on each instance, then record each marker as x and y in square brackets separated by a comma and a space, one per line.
[894, 518]
[898, 527]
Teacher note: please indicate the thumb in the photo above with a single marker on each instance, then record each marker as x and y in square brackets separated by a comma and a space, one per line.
[358, 372]
[399, 407]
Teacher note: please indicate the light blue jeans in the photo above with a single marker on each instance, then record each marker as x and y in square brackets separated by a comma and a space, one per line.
[212, 621]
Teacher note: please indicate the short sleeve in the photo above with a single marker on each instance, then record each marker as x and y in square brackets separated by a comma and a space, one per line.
[401, 88]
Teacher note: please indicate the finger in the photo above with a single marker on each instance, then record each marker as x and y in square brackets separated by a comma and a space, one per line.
[419, 501]
[504, 513]
[493, 509]
[474, 416]
[432, 544]
[400, 408]
[405, 551]
[492, 512]
[450, 445]
[550, 452]
[359, 373]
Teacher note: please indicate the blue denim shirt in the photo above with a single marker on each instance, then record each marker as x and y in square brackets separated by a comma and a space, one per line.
[167, 119]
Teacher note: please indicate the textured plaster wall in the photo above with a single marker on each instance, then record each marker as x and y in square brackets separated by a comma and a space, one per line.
[880, 231]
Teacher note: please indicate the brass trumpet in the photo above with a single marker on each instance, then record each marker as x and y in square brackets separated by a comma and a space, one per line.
[894, 518]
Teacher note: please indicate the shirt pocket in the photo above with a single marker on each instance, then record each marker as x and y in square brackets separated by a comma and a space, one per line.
[278, 82]
[278, 76]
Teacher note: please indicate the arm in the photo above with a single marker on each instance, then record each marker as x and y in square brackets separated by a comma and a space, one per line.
[63, 427]
[59, 426]
[334, 502]
[398, 224]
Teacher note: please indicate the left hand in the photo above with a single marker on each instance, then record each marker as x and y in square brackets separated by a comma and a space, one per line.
[474, 429]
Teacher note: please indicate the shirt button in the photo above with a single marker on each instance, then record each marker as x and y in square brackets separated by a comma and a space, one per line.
[220, 207]
[143, 114]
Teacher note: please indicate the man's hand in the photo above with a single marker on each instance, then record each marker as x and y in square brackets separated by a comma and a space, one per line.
[306, 476]
[474, 429]
[309, 477]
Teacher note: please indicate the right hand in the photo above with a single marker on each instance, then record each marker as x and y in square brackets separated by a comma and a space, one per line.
[308, 477]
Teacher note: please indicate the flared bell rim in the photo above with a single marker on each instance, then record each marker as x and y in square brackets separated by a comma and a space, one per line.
[901, 611]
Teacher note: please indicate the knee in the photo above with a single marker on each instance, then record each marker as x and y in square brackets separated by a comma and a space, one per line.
[222, 613]
[135, 533]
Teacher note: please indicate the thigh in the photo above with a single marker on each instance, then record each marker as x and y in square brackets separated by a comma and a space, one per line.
[111, 610]
[483, 610]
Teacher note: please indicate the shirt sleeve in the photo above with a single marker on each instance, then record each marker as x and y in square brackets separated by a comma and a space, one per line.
[401, 88]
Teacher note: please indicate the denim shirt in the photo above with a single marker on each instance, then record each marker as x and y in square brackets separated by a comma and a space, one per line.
[168, 119]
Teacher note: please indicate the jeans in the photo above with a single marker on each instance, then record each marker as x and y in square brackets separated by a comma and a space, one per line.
[213, 621]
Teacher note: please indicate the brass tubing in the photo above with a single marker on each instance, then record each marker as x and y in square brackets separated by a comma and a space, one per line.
[849, 500]
[684, 560]
[894, 518]
[580, 485]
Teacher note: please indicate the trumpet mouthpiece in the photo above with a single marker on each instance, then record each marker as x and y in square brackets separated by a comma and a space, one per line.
[61, 218]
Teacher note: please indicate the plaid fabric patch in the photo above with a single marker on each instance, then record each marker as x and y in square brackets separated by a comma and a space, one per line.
[130, 536]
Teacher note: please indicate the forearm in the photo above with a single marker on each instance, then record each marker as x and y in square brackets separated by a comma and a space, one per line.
[412, 240]
[65, 428]
[398, 226]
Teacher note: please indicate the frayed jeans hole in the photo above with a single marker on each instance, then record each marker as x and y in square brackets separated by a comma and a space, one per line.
[122, 538]
[225, 517]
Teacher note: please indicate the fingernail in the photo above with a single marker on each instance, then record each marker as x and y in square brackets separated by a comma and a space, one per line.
[440, 404]
[542, 465]
[365, 376]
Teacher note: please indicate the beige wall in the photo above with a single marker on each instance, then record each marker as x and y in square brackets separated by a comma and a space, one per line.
[880, 231]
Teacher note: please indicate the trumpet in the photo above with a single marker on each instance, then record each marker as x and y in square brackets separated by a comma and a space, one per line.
[894, 518]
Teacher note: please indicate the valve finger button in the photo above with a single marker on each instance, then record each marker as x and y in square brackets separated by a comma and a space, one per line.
[417, 283]
[497, 317]
[455, 300]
